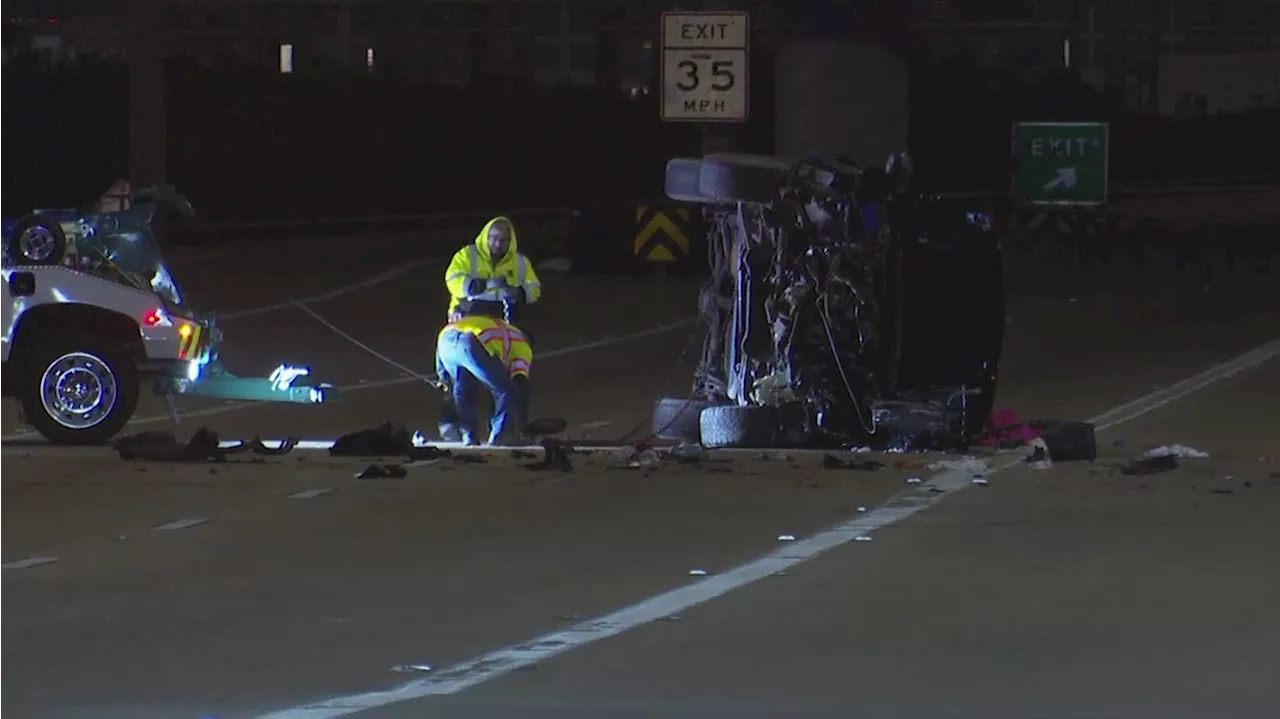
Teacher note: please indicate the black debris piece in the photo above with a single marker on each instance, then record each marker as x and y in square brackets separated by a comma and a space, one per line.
[523, 454]
[1222, 491]
[383, 471]
[831, 461]
[426, 454]
[1068, 441]
[165, 447]
[1150, 465]
[1037, 455]
[388, 438]
[555, 457]
[256, 446]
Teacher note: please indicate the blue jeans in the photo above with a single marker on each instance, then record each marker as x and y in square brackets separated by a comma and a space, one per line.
[463, 360]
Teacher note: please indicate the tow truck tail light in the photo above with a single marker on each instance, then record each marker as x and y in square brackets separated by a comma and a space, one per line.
[155, 318]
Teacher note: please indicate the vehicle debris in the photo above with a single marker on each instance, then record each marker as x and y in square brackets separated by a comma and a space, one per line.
[383, 471]
[831, 461]
[160, 446]
[1177, 450]
[688, 452]
[388, 438]
[786, 537]
[1150, 465]
[555, 457]
[1039, 455]
[807, 346]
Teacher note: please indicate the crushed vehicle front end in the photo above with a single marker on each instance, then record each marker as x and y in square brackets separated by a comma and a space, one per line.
[841, 310]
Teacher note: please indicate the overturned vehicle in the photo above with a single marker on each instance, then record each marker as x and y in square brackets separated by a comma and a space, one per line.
[92, 314]
[841, 309]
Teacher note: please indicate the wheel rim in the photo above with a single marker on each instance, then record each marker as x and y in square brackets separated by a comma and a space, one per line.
[36, 244]
[78, 390]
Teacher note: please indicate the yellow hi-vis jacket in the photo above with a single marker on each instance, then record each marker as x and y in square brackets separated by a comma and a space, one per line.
[474, 261]
[500, 339]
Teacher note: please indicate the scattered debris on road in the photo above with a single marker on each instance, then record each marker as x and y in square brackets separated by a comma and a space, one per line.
[555, 457]
[831, 461]
[1039, 456]
[165, 447]
[786, 537]
[383, 471]
[698, 572]
[1149, 465]
[1176, 450]
[388, 438]
[405, 668]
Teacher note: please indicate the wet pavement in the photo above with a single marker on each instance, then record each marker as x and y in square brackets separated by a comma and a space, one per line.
[1067, 592]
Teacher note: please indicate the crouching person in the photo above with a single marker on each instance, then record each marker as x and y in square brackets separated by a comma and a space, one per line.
[478, 351]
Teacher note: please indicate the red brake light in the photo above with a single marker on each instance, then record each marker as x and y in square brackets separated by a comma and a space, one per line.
[152, 318]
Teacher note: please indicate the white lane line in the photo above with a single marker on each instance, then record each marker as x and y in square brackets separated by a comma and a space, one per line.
[28, 562]
[310, 493]
[503, 661]
[180, 524]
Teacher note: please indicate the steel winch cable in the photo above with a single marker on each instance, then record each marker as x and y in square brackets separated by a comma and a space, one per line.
[434, 382]
[429, 379]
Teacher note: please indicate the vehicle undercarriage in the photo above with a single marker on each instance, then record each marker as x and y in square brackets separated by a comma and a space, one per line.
[827, 290]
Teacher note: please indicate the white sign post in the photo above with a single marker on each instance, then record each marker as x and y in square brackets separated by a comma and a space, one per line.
[704, 66]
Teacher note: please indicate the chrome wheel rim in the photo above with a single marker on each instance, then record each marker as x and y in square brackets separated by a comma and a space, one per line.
[78, 390]
[37, 243]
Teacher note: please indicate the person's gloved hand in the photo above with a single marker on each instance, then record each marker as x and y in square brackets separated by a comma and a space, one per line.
[473, 287]
[513, 295]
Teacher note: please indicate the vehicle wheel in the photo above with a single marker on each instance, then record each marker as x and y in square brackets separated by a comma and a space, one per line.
[733, 177]
[682, 178]
[738, 426]
[79, 390]
[677, 418]
[37, 241]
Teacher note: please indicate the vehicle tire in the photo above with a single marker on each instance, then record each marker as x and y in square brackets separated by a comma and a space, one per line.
[682, 178]
[36, 241]
[98, 405]
[734, 177]
[738, 426]
[677, 418]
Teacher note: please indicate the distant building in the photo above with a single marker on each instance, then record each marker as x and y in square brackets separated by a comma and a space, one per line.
[1114, 43]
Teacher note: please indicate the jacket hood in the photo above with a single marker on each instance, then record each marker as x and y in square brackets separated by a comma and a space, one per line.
[482, 239]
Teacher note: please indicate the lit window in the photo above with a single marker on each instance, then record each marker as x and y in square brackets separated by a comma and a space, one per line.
[368, 58]
[286, 58]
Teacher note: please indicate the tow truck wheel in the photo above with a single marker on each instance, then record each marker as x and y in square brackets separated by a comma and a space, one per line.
[79, 390]
[36, 242]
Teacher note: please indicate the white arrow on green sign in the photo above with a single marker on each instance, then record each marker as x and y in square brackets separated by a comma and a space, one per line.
[1060, 163]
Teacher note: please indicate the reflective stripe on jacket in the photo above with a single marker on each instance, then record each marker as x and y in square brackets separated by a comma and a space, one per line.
[473, 261]
[500, 339]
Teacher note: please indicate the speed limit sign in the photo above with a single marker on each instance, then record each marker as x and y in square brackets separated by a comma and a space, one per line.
[704, 66]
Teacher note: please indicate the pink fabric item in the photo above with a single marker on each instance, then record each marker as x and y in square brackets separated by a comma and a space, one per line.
[1004, 428]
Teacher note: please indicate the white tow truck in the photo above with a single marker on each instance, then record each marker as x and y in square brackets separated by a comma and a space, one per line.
[92, 315]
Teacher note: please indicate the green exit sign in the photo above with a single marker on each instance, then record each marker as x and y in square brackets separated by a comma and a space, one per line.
[1060, 163]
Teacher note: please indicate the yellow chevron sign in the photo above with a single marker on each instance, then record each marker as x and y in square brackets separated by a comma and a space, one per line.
[662, 236]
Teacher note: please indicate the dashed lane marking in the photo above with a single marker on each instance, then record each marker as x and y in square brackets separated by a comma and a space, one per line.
[503, 661]
[180, 524]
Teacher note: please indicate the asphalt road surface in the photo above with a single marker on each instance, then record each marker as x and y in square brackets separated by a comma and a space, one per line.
[247, 588]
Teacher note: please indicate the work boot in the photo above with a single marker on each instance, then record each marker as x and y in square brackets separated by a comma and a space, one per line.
[449, 432]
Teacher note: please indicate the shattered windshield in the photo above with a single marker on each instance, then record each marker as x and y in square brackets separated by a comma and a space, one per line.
[123, 242]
